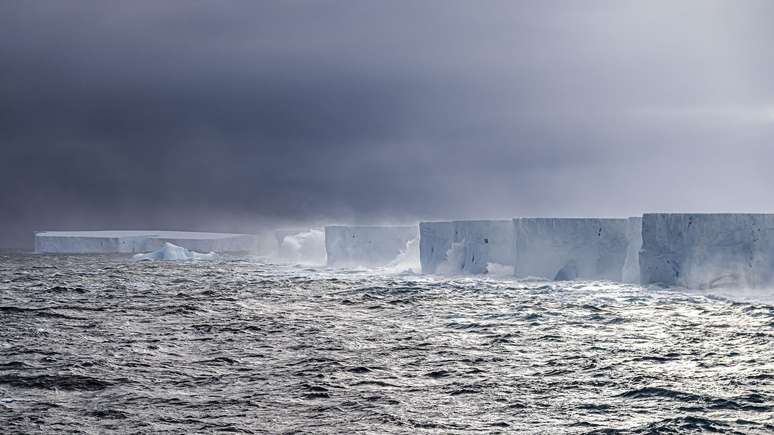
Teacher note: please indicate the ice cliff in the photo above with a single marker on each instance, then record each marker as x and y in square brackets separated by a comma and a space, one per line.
[708, 250]
[366, 245]
[466, 247]
[570, 248]
[132, 241]
[435, 241]
[631, 266]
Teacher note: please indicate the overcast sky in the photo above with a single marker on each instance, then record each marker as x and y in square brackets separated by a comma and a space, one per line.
[236, 115]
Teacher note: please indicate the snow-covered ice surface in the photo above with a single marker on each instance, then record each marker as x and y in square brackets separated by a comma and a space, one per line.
[133, 241]
[466, 247]
[104, 344]
[570, 248]
[171, 252]
[708, 250]
[367, 246]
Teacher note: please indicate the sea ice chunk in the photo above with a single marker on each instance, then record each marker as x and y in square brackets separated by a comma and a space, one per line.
[171, 252]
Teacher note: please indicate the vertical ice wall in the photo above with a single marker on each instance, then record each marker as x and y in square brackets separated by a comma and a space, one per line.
[366, 245]
[435, 241]
[569, 248]
[212, 242]
[484, 242]
[465, 247]
[708, 250]
[63, 243]
[132, 241]
[631, 267]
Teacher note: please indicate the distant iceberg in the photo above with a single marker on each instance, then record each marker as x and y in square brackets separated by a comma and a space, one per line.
[171, 252]
[133, 241]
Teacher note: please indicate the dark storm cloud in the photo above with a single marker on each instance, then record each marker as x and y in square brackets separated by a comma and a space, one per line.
[213, 115]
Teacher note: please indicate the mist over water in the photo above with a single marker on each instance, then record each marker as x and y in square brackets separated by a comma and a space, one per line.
[302, 247]
[101, 343]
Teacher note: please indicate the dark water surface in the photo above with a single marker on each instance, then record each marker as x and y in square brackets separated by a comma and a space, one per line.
[98, 344]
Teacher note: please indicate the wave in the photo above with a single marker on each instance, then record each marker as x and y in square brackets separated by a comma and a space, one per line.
[408, 259]
[306, 247]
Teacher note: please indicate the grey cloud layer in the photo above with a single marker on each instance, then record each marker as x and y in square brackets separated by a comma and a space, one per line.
[216, 115]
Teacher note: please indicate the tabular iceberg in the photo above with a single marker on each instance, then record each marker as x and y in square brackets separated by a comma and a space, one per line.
[465, 247]
[133, 241]
[570, 248]
[708, 250]
[366, 245]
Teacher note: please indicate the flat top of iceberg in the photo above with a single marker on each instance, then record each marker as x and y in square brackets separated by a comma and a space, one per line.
[139, 233]
[363, 227]
[708, 214]
[568, 219]
[469, 221]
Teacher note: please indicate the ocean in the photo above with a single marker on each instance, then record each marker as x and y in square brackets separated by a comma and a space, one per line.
[104, 344]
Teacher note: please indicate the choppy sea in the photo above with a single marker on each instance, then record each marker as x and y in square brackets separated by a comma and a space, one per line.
[101, 344]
